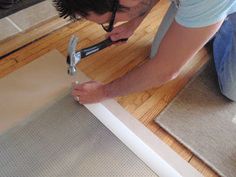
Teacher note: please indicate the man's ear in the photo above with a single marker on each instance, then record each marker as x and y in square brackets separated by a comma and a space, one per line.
[129, 3]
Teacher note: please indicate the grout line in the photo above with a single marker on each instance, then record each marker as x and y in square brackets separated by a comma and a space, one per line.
[17, 27]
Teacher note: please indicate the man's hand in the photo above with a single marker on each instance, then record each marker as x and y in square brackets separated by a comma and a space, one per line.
[89, 92]
[138, 11]
[123, 31]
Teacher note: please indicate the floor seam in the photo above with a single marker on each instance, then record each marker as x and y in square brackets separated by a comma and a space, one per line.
[17, 27]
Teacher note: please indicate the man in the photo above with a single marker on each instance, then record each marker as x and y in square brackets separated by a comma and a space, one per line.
[187, 26]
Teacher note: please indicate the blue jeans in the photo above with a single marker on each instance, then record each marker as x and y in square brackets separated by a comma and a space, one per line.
[224, 50]
[224, 53]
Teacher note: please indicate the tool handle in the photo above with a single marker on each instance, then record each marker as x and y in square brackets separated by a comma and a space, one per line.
[97, 47]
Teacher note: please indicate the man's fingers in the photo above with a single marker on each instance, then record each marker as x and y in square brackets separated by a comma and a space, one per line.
[74, 84]
[80, 100]
[119, 43]
[77, 92]
[116, 37]
[117, 29]
[76, 98]
[79, 87]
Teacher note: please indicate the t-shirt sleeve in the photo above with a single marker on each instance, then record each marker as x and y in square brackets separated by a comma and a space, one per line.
[199, 13]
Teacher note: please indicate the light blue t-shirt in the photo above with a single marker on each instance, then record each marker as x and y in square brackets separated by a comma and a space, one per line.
[199, 13]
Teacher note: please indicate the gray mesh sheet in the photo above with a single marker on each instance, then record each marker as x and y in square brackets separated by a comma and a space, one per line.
[66, 140]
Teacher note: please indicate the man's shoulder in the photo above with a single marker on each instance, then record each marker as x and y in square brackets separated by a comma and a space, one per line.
[198, 13]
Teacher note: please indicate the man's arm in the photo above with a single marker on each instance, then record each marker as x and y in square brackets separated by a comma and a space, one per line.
[178, 46]
[137, 12]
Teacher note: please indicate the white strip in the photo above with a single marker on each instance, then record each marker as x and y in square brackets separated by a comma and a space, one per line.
[17, 27]
[153, 160]
[147, 146]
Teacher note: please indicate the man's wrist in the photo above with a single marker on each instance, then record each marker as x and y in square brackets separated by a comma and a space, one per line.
[107, 91]
[136, 22]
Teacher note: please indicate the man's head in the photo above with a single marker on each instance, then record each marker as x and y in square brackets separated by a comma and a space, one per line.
[104, 12]
[100, 11]
[84, 8]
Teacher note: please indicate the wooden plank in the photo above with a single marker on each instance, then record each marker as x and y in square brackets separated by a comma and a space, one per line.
[6, 64]
[133, 101]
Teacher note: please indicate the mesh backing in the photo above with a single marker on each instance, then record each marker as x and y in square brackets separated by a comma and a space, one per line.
[66, 140]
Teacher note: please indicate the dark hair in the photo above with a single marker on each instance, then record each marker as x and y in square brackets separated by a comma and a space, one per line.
[69, 8]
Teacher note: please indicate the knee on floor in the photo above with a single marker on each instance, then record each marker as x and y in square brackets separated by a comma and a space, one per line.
[230, 93]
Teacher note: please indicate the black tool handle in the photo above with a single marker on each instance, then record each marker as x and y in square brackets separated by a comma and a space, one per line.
[97, 47]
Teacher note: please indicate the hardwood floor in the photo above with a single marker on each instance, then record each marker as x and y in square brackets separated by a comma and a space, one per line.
[115, 61]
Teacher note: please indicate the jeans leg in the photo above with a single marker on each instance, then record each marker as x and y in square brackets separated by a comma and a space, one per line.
[224, 52]
[165, 24]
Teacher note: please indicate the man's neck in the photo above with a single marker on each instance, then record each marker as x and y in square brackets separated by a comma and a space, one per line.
[142, 8]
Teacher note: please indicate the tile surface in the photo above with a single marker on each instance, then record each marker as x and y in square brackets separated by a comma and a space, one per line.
[7, 29]
[34, 15]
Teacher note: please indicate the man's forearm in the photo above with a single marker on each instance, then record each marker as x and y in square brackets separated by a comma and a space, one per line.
[149, 75]
[168, 61]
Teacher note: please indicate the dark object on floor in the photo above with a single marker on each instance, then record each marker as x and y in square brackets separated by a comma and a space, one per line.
[8, 7]
[6, 4]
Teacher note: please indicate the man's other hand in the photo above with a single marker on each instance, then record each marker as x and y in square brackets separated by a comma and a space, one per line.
[123, 31]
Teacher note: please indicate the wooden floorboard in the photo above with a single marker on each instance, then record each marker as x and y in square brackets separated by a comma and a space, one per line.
[114, 62]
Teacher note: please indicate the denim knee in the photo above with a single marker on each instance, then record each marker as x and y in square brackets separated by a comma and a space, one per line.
[224, 52]
[230, 93]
